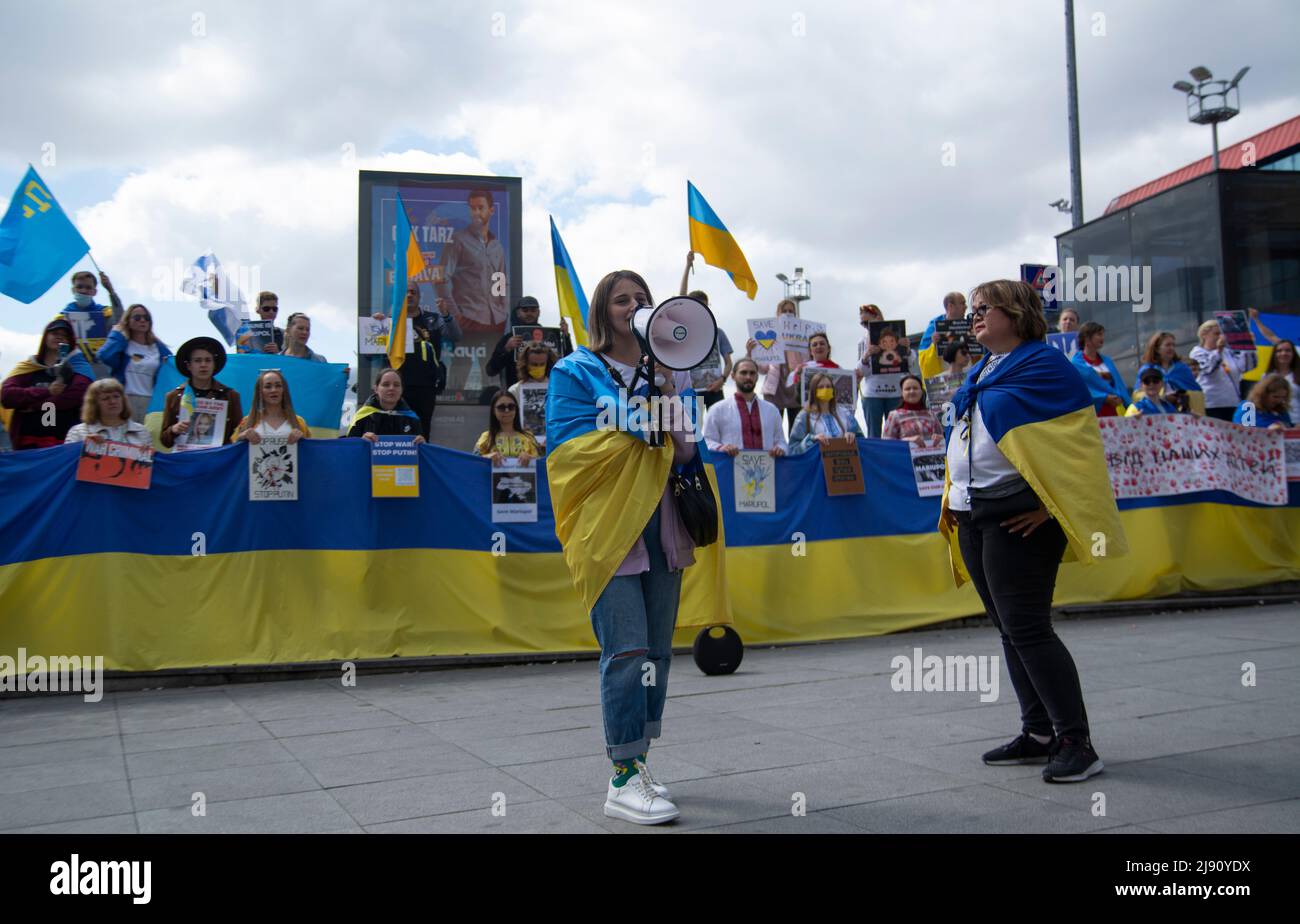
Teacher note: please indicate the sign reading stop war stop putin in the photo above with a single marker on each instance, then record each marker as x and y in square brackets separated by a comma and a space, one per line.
[1167, 454]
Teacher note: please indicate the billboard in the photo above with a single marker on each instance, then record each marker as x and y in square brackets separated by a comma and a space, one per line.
[469, 230]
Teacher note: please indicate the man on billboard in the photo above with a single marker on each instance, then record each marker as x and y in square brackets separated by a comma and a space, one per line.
[474, 285]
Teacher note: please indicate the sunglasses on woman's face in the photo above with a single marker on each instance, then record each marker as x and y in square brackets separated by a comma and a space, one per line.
[506, 407]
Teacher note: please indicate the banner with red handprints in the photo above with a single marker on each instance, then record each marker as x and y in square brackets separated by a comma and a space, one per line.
[118, 464]
[1159, 455]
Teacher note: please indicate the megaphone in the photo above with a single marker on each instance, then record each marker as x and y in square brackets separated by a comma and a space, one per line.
[679, 334]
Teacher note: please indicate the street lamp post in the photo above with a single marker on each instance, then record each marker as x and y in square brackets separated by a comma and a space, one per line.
[798, 289]
[1211, 101]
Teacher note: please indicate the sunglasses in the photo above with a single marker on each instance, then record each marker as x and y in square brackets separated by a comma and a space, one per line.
[506, 407]
[268, 307]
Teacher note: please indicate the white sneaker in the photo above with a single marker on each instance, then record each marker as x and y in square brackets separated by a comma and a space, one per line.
[654, 784]
[636, 802]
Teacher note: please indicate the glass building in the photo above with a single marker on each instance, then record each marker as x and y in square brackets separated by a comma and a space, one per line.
[1213, 240]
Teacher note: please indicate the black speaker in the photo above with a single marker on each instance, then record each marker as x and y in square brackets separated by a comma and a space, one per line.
[720, 655]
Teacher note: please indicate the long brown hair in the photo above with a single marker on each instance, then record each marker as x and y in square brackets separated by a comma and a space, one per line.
[1151, 355]
[494, 426]
[813, 407]
[259, 409]
[602, 330]
[1272, 358]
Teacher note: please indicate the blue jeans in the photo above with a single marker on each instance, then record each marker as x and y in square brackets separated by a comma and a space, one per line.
[634, 620]
[874, 411]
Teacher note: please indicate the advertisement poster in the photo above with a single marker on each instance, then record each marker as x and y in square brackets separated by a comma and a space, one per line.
[394, 467]
[372, 335]
[928, 468]
[532, 407]
[273, 469]
[1170, 454]
[207, 425]
[755, 481]
[763, 332]
[120, 465]
[468, 230]
[891, 337]
[514, 493]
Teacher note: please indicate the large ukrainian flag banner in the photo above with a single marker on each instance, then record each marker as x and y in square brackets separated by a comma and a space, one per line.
[711, 240]
[316, 388]
[191, 573]
[606, 482]
[573, 301]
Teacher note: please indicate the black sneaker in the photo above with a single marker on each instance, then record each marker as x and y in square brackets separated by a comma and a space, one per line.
[1073, 762]
[1020, 750]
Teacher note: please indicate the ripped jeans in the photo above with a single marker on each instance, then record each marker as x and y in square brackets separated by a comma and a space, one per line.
[634, 620]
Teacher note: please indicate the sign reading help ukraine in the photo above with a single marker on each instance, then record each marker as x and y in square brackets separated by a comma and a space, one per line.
[1161, 455]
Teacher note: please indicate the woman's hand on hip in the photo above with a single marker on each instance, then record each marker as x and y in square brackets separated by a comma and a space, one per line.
[1026, 523]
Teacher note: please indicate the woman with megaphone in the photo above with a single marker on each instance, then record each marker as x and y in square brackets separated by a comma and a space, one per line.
[625, 541]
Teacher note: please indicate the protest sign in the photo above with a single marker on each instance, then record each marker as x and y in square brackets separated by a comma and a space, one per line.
[120, 465]
[754, 475]
[514, 492]
[536, 335]
[207, 425]
[1292, 438]
[1157, 455]
[763, 332]
[842, 467]
[1068, 344]
[708, 371]
[891, 337]
[532, 407]
[928, 468]
[372, 335]
[394, 467]
[842, 380]
[273, 469]
[794, 334]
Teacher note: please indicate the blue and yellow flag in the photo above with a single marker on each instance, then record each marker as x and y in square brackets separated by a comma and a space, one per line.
[606, 482]
[408, 263]
[1040, 414]
[573, 302]
[927, 352]
[38, 242]
[1282, 326]
[711, 240]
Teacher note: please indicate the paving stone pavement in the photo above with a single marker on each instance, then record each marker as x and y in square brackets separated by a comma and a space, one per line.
[1188, 747]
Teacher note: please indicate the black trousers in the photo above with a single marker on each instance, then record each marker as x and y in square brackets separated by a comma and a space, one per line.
[1015, 577]
[422, 400]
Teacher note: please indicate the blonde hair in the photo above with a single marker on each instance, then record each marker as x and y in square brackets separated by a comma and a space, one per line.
[124, 325]
[1206, 328]
[90, 405]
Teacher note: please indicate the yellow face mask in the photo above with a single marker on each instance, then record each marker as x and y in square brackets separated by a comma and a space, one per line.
[537, 372]
[825, 394]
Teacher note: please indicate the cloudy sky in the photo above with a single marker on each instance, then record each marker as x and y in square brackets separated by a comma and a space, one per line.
[817, 131]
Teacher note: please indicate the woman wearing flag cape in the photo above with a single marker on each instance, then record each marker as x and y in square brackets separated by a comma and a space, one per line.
[623, 539]
[1026, 486]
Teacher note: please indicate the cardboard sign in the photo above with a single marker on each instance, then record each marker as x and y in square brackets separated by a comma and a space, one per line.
[1160, 455]
[394, 467]
[273, 469]
[207, 425]
[768, 350]
[755, 481]
[842, 467]
[928, 467]
[514, 493]
[120, 465]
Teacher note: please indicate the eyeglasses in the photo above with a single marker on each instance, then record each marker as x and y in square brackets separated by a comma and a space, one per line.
[979, 311]
[506, 407]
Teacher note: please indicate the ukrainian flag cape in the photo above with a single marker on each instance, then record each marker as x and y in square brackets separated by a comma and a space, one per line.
[1039, 412]
[606, 482]
[1097, 387]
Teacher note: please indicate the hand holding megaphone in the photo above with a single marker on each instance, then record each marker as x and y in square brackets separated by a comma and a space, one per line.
[679, 334]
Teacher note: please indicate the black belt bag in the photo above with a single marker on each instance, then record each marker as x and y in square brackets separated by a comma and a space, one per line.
[990, 506]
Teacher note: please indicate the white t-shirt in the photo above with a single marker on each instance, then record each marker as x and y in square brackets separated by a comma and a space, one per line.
[265, 429]
[141, 368]
[974, 460]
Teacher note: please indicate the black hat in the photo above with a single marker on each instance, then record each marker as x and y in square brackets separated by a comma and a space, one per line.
[527, 302]
[211, 344]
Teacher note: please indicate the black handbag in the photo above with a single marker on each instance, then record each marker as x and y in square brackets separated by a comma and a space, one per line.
[696, 505]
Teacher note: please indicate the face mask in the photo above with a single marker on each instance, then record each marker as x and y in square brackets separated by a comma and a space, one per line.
[537, 372]
[825, 394]
[83, 301]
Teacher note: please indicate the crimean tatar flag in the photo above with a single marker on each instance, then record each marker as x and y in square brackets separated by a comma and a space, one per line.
[408, 264]
[38, 242]
[573, 303]
[711, 240]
